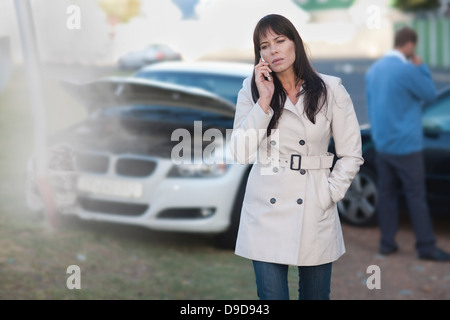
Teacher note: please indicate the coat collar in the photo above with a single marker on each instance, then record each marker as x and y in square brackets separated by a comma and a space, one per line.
[295, 108]
[398, 54]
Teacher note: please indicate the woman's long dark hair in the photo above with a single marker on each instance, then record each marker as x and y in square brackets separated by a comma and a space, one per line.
[314, 87]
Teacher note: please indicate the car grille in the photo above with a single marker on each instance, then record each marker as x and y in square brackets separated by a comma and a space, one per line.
[112, 207]
[92, 162]
[187, 213]
[124, 166]
[135, 167]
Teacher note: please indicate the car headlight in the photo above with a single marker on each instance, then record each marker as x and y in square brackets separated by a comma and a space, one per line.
[198, 170]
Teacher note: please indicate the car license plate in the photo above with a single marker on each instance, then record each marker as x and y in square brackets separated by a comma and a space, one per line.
[110, 187]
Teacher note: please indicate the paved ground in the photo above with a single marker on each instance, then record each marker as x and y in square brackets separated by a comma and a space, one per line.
[403, 275]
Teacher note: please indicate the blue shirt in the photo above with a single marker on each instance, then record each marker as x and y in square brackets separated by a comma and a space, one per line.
[395, 90]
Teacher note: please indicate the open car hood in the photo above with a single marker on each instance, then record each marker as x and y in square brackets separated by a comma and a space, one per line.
[116, 91]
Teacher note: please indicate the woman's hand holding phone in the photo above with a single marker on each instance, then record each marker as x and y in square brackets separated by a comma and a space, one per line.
[264, 83]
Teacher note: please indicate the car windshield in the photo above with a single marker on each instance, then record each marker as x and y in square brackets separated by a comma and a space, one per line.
[151, 110]
[437, 115]
[160, 113]
[224, 86]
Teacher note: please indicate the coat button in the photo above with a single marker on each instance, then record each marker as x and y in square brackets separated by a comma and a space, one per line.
[299, 201]
[273, 142]
[302, 171]
[302, 142]
[273, 200]
[275, 169]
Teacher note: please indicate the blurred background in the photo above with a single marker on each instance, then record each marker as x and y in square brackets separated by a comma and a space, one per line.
[85, 40]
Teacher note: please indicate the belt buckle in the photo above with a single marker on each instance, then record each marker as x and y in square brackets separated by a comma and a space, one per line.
[299, 161]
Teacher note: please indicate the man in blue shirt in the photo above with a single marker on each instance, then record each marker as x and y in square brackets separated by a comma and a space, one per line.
[396, 86]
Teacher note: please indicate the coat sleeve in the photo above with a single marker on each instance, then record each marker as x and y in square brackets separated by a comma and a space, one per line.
[347, 139]
[250, 125]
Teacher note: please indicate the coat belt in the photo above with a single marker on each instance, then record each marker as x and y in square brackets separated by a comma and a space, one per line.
[298, 162]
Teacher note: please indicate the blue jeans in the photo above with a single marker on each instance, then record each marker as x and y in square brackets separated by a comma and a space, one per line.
[272, 281]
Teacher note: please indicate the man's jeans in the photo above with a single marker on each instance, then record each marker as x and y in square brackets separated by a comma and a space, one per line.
[272, 281]
[403, 173]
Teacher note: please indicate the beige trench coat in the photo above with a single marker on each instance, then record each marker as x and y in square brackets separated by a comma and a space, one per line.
[289, 214]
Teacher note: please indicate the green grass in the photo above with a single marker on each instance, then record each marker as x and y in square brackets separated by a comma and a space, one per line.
[116, 262]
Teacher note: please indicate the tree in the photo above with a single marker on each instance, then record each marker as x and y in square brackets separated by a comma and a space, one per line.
[119, 11]
[416, 5]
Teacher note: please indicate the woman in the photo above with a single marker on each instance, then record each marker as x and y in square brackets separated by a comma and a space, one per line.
[285, 116]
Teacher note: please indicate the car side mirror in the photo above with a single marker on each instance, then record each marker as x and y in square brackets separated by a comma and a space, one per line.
[432, 132]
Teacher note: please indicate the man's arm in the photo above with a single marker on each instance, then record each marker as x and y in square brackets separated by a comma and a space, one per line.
[419, 81]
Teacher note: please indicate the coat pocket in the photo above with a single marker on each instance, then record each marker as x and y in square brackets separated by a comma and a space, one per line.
[325, 200]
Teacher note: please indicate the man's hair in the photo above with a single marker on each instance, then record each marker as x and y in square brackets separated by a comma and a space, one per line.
[405, 35]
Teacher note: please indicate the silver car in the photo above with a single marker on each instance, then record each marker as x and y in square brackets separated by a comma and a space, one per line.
[153, 153]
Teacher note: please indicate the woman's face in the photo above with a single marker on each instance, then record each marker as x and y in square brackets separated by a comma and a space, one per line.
[278, 50]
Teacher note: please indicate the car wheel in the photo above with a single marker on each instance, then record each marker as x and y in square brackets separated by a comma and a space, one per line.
[227, 239]
[359, 204]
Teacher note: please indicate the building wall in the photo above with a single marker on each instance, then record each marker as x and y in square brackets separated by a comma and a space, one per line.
[434, 39]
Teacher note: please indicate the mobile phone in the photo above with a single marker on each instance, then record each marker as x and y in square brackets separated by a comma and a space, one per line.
[268, 78]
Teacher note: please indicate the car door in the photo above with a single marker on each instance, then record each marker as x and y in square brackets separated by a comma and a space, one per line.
[436, 125]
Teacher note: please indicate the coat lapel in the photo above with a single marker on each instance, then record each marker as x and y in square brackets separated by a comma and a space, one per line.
[297, 109]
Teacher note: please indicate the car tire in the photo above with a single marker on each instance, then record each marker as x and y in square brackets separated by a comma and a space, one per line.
[358, 207]
[227, 239]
